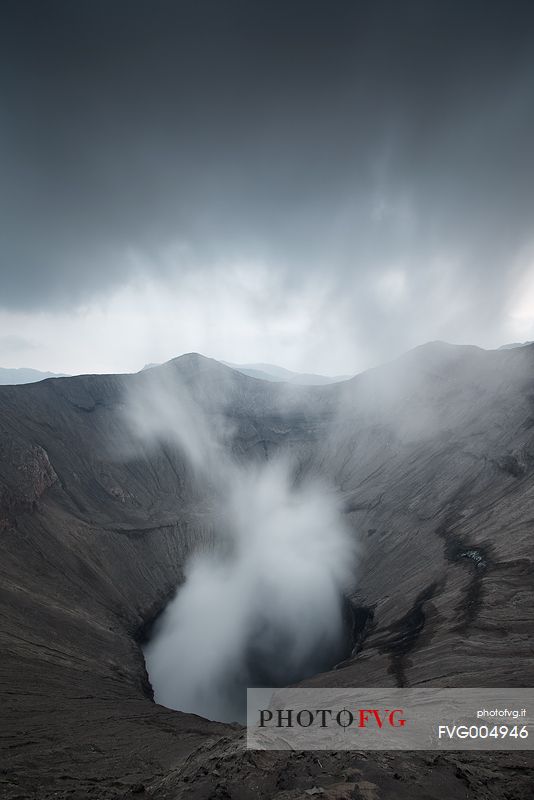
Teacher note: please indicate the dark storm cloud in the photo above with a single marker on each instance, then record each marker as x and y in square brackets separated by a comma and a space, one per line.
[316, 136]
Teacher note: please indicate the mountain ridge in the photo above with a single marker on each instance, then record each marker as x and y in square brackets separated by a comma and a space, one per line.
[433, 457]
[22, 375]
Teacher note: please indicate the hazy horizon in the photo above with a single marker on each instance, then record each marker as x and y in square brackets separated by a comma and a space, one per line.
[251, 365]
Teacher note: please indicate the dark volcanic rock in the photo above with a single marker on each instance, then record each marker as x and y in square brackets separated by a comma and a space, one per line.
[433, 454]
[31, 474]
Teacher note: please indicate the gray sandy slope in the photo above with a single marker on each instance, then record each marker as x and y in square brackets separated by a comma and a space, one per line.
[434, 456]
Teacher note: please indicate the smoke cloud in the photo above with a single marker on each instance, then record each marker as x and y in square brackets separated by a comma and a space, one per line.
[265, 606]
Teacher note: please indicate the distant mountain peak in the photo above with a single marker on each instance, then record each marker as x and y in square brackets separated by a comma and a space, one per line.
[20, 375]
[276, 374]
[513, 345]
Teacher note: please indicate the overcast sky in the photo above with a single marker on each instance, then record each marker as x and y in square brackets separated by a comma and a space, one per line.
[317, 183]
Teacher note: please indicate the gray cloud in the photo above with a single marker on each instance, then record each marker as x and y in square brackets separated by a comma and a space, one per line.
[344, 141]
[16, 344]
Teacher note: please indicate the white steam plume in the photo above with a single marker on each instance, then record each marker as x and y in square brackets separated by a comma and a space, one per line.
[266, 606]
